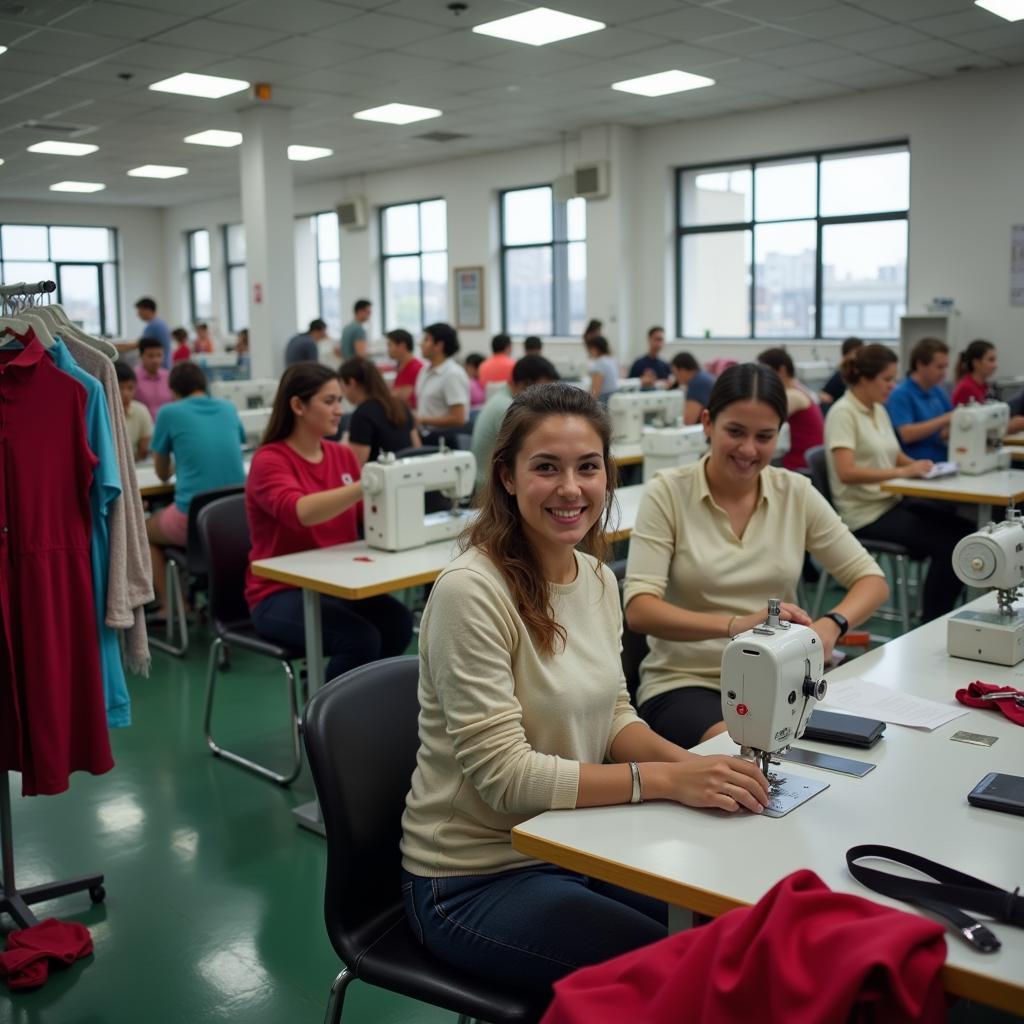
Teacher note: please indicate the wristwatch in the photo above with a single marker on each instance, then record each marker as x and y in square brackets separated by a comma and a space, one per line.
[841, 621]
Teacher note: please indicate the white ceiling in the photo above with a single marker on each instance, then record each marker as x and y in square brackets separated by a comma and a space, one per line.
[327, 59]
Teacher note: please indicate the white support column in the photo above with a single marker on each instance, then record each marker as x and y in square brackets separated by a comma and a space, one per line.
[268, 213]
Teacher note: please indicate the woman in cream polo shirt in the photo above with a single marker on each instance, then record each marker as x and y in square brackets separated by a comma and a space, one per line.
[713, 541]
[863, 450]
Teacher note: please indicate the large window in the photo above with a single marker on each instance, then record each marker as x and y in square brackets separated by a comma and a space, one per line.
[543, 262]
[807, 246]
[237, 276]
[200, 281]
[414, 264]
[328, 269]
[82, 261]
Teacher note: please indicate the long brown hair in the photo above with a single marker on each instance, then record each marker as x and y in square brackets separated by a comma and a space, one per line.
[977, 349]
[368, 377]
[866, 363]
[498, 529]
[302, 381]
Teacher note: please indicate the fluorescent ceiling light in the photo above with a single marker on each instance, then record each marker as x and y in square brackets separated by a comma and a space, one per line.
[308, 152]
[1011, 10]
[1, 161]
[3, 49]
[215, 137]
[397, 113]
[207, 87]
[663, 83]
[77, 186]
[157, 171]
[539, 27]
[63, 148]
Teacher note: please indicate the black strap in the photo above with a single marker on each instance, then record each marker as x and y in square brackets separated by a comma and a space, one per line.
[951, 891]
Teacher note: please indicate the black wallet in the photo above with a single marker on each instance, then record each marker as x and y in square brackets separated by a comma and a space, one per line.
[848, 730]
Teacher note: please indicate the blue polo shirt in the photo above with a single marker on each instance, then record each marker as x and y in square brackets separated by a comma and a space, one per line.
[910, 403]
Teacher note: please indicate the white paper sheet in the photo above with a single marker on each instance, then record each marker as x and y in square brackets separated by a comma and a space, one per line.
[859, 697]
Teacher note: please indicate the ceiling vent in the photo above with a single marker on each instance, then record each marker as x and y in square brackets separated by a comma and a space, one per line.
[442, 136]
[52, 128]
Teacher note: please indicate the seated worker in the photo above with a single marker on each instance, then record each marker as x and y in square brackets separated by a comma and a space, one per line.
[203, 344]
[408, 367]
[976, 366]
[526, 372]
[806, 421]
[477, 392]
[698, 383]
[714, 540]
[835, 385]
[181, 350]
[603, 369]
[862, 452]
[137, 420]
[303, 348]
[497, 368]
[242, 358]
[651, 368]
[442, 387]
[150, 376]
[303, 492]
[523, 709]
[919, 406]
[381, 422]
[197, 440]
[532, 345]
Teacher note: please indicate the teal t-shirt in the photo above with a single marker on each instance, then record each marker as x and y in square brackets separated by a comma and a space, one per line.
[485, 431]
[205, 436]
[350, 334]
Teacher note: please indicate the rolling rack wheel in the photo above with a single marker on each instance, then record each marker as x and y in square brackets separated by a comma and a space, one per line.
[97, 894]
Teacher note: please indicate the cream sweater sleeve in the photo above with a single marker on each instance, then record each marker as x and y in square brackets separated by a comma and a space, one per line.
[468, 654]
[652, 543]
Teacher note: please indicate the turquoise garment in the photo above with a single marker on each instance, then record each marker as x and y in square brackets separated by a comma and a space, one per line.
[205, 436]
[104, 490]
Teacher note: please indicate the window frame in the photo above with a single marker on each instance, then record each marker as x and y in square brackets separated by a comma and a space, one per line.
[194, 317]
[560, 284]
[110, 320]
[820, 222]
[228, 267]
[318, 263]
[419, 254]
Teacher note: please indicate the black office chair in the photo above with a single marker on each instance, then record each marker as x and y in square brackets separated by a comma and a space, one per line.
[189, 560]
[889, 553]
[361, 739]
[224, 535]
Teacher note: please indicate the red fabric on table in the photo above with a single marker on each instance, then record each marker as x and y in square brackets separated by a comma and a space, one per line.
[803, 954]
[26, 961]
[970, 696]
[52, 709]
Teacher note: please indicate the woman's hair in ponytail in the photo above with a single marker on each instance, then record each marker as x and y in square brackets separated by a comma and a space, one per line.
[866, 363]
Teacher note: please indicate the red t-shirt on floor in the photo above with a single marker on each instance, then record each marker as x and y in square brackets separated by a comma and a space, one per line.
[278, 478]
[406, 377]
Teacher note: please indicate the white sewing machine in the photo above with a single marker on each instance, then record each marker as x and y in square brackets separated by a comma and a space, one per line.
[629, 410]
[394, 506]
[782, 444]
[254, 423]
[771, 675]
[246, 394]
[975, 437]
[668, 447]
[992, 558]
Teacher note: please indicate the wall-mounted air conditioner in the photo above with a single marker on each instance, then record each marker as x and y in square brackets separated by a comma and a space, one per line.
[590, 181]
[352, 213]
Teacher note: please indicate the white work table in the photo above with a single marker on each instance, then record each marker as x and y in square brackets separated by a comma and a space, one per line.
[150, 484]
[1002, 487]
[915, 799]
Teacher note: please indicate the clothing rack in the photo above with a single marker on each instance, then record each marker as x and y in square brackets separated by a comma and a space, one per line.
[13, 901]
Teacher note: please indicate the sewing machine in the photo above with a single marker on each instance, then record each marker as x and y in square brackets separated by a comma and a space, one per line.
[395, 490]
[246, 394]
[254, 423]
[991, 558]
[975, 437]
[782, 444]
[629, 409]
[668, 447]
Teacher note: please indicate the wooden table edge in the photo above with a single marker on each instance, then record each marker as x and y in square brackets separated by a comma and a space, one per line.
[339, 590]
[966, 498]
[627, 460]
[958, 981]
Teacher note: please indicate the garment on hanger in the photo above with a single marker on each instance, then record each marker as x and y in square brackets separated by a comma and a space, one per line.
[52, 713]
[105, 490]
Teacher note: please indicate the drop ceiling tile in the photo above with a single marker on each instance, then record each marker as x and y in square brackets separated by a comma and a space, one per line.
[776, 10]
[192, 8]
[879, 38]
[615, 12]
[762, 80]
[1010, 54]
[437, 13]
[337, 81]
[753, 40]
[120, 20]
[992, 38]
[396, 70]
[463, 47]
[949, 66]
[376, 31]
[804, 53]
[691, 23]
[529, 60]
[946, 25]
[675, 55]
[310, 51]
[164, 57]
[834, 21]
[882, 79]
[812, 89]
[64, 46]
[293, 17]
[463, 79]
[218, 35]
[911, 10]
[915, 53]
[838, 70]
[612, 42]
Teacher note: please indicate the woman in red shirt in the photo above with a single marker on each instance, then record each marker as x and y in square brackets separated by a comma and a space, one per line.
[806, 420]
[977, 365]
[303, 492]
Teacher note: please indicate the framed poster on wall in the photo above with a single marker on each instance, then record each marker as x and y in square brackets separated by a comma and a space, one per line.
[469, 297]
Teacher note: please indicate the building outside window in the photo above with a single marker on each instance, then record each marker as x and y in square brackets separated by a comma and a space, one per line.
[328, 269]
[200, 280]
[414, 264]
[237, 277]
[81, 260]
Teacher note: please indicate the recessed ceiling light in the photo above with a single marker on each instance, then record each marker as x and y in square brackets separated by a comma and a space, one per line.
[539, 27]
[63, 148]
[663, 83]
[1, 161]
[77, 186]
[208, 87]
[1011, 10]
[397, 113]
[215, 137]
[3, 49]
[157, 171]
[308, 152]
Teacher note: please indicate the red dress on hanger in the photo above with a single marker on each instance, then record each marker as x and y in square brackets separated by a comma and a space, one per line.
[52, 715]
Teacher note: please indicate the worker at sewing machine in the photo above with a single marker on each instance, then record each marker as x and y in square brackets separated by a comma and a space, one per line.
[714, 538]
[919, 407]
[303, 492]
[806, 420]
[976, 366]
[381, 422]
[687, 374]
[652, 370]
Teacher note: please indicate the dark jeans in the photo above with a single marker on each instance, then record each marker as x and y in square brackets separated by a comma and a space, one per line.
[928, 530]
[355, 632]
[528, 927]
[683, 715]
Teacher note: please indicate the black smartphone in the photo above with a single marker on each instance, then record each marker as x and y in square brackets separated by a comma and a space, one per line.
[848, 730]
[999, 792]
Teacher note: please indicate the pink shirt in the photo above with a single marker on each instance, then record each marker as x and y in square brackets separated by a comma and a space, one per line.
[152, 392]
[968, 389]
[496, 369]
